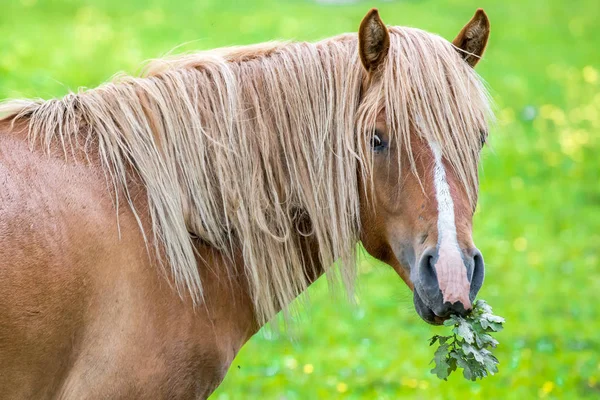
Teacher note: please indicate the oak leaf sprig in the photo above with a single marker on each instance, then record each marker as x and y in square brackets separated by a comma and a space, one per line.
[469, 345]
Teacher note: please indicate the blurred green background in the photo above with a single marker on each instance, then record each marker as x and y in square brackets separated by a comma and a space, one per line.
[538, 221]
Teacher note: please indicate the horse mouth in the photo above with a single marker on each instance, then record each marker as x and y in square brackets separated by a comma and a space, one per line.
[425, 312]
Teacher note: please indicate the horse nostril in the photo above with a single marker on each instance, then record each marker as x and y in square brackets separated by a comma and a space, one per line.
[427, 269]
[478, 273]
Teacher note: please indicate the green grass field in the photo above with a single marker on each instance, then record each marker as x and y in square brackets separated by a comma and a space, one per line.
[538, 221]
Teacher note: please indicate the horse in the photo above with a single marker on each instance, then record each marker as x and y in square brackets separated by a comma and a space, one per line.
[150, 226]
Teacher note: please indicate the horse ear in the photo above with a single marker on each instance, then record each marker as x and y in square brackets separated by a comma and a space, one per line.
[473, 38]
[373, 40]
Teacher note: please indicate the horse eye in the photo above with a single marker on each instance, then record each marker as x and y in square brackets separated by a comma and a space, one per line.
[377, 143]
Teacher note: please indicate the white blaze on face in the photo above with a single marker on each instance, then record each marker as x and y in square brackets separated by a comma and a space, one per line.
[449, 266]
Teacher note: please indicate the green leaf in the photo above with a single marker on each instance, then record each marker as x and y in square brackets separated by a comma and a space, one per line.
[483, 306]
[440, 358]
[477, 370]
[468, 347]
[464, 364]
[453, 320]
[476, 353]
[496, 327]
[484, 323]
[452, 364]
[493, 318]
[441, 369]
[438, 338]
[483, 340]
[441, 352]
[465, 331]
[491, 363]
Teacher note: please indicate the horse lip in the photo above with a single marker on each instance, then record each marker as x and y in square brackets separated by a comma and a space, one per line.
[425, 312]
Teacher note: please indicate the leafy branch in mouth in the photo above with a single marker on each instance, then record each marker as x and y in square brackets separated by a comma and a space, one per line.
[469, 345]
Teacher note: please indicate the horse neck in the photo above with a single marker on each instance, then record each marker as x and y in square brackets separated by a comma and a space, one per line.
[227, 289]
[282, 127]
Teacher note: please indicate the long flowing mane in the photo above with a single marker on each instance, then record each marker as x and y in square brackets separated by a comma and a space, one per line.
[254, 148]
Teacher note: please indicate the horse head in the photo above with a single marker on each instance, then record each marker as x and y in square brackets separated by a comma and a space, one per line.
[425, 136]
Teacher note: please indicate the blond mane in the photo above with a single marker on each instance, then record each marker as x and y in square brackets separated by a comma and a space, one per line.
[241, 147]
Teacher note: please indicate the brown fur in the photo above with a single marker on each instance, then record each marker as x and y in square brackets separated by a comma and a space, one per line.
[406, 217]
[84, 314]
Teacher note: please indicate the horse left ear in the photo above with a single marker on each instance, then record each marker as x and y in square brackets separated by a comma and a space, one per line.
[473, 38]
[373, 40]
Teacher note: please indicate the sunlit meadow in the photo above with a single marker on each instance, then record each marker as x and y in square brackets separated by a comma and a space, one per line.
[538, 221]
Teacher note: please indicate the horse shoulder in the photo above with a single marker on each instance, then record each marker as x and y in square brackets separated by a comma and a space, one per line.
[81, 295]
[46, 251]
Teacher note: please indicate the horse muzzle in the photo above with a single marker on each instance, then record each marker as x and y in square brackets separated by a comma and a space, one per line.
[446, 286]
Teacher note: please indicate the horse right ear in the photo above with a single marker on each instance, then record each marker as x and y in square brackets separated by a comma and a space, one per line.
[373, 40]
